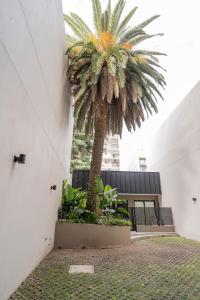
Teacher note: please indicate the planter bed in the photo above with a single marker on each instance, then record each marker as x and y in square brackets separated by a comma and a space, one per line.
[81, 236]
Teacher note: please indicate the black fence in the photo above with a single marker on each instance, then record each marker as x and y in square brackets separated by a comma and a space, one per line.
[151, 216]
[125, 182]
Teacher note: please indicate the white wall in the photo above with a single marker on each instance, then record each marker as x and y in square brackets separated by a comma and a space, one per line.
[175, 152]
[34, 119]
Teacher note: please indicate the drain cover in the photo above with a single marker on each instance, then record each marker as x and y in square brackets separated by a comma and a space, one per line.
[76, 269]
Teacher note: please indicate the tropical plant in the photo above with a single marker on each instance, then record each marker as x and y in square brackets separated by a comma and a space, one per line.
[73, 206]
[122, 212]
[71, 199]
[113, 220]
[113, 81]
[107, 196]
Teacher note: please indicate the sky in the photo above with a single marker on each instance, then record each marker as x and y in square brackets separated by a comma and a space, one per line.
[180, 22]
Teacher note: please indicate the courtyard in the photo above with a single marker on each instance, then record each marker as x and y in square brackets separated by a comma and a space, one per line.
[156, 268]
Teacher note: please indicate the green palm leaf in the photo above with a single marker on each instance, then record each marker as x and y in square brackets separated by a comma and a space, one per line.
[97, 63]
[73, 24]
[97, 15]
[71, 40]
[138, 39]
[124, 23]
[82, 24]
[116, 16]
[147, 22]
[109, 10]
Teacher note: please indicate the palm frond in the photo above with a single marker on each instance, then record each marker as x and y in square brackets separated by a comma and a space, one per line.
[74, 26]
[71, 40]
[138, 39]
[82, 24]
[116, 14]
[112, 67]
[122, 26]
[73, 46]
[109, 11]
[147, 22]
[146, 52]
[130, 34]
[152, 62]
[121, 77]
[97, 63]
[97, 14]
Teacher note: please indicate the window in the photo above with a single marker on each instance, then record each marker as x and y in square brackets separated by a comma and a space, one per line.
[143, 168]
[142, 163]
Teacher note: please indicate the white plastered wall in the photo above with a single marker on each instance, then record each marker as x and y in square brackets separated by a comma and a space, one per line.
[175, 153]
[35, 119]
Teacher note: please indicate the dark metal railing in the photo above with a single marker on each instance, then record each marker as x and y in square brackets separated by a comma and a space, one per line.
[151, 216]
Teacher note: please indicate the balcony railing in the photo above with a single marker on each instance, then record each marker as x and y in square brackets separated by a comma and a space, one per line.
[160, 216]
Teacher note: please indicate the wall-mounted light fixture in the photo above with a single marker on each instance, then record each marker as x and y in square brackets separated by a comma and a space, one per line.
[194, 199]
[20, 159]
[53, 187]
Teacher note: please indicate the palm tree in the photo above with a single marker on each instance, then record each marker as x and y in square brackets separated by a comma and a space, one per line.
[112, 80]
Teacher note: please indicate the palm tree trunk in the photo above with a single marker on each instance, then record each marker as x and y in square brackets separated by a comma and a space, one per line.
[97, 154]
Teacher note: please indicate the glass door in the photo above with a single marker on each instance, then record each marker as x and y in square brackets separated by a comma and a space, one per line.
[150, 213]
[145, 213]
[139, 213]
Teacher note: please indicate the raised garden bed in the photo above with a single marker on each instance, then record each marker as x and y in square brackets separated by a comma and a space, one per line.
[81, 236]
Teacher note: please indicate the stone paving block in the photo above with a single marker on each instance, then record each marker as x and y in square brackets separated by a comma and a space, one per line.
[77, 269]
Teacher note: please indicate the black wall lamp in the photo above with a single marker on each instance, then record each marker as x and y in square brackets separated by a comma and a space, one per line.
[20, 159]
[194, 200]
[53, 187]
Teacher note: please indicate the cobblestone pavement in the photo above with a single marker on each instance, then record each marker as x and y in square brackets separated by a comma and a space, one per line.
[153, 269]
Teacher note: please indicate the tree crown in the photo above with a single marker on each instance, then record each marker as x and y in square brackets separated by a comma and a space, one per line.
[108, 67]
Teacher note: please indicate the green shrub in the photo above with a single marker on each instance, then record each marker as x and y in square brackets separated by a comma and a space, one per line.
[108, 196]
[73, 206]
[112, 220]
[123, 212]
[71, 199]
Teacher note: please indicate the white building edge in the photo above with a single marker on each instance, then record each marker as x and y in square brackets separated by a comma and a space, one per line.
[175, 153]
[34, 120]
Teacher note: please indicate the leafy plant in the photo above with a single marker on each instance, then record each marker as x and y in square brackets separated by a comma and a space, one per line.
[79, 215]
[113, 220]
[121, 211]
[73, 206]
[106, 194]
[71, 198]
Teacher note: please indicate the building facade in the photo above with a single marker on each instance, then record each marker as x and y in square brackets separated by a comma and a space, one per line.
[35, 118]
[137, 161]
[175, 153]
[111, 158]
[142, 194]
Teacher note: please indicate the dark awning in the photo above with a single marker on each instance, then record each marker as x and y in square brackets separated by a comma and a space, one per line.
[126, 182]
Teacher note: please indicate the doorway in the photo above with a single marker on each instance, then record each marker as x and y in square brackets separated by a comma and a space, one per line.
[144, 212]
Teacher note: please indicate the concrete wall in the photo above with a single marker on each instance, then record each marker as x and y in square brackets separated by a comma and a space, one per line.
[34, 119]
[175, 152]
[90, 236]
